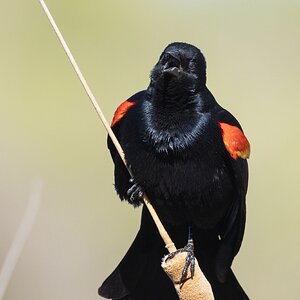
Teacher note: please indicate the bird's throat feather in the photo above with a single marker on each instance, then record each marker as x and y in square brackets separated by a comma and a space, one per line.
[169, 131]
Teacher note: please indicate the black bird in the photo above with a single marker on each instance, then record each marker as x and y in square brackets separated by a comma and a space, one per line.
[188, 154]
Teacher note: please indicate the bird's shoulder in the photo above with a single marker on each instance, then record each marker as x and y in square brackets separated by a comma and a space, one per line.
[126, 106]
[234, 138]
[237, 146]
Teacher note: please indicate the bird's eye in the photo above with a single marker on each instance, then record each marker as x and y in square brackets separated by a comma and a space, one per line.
[165, 58]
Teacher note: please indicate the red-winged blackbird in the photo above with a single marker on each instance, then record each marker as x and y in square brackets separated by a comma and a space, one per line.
[188, 154]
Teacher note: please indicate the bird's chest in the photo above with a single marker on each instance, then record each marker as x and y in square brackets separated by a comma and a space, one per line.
[181, 168]
[195, 187]
[173, 151]
[184, 179]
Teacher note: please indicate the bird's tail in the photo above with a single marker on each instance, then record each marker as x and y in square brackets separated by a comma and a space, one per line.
[206, 250]
[139, 275]
[229, 290]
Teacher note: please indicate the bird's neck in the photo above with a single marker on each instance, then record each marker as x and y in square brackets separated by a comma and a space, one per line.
[170, 95]
[174, 99]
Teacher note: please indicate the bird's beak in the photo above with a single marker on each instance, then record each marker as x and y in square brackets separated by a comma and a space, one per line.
[173, 65]
[173, 71]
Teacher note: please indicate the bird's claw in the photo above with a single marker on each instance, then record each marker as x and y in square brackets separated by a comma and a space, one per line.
[189, 261]
[135, 193]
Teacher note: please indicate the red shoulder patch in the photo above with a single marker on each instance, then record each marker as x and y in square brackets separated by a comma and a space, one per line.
[121, 111]
[235, 141]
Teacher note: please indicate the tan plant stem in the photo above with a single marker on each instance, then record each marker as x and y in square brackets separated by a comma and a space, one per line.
[162, 231]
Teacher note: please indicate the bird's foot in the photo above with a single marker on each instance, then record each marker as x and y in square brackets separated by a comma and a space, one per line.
[135, 193]
[189, 261]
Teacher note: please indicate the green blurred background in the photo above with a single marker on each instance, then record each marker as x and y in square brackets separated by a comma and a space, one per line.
[50, 131]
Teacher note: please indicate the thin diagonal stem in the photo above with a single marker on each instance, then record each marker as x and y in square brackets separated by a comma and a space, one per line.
[164, 234]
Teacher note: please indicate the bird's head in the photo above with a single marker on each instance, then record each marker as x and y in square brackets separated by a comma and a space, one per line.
[181, 67]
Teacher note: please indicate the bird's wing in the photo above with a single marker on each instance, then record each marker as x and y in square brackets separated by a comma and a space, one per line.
[119, 127]
[232, 229]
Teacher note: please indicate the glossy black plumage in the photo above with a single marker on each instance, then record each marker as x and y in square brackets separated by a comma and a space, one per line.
[174, 146]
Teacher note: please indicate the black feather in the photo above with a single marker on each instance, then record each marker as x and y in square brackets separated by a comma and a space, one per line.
[174, 146]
